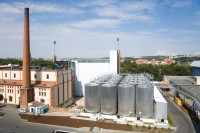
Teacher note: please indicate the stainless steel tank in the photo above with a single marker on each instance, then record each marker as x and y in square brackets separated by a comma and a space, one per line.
[92, 99]
[126, 100]
[144, 100]
[108, 99]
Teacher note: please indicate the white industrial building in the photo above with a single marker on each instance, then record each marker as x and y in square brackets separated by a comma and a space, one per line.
[87, 69]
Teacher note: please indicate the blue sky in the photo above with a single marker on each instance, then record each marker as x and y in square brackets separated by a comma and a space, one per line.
[89, 28]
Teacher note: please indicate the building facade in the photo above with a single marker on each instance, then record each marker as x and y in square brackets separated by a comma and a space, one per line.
[53, 87]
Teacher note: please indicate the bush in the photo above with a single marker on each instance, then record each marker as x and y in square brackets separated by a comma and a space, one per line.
[35, 116]
[136, 125]
[1, 114]
[144, 126]
[149, 127]
[155, 127]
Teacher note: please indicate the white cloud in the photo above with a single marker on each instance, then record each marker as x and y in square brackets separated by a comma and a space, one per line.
[9, 9]
[181, 4]
[176, 4]
[92, 3]
[136, 11]
[164, 52]
[17, 8]
[94, 23]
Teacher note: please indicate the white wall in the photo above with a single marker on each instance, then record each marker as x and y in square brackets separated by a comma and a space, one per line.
[87, 71]
[160, 106]
[113, 61]
[84, 72]
[197, 80]
[2, 92]
[52, 76]
[39, 97]
[8, 74]
[17, 74]
[37, 76]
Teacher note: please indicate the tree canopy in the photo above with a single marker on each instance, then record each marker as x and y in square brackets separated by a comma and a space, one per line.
[158, 71]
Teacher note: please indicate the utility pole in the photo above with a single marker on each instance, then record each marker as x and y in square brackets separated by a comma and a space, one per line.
[54, 57]
[118, 57]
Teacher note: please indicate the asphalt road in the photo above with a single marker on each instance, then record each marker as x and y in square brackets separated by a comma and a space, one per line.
[181, 120]
[12, 123]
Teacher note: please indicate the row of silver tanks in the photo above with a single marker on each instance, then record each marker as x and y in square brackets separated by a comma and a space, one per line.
[128, 96]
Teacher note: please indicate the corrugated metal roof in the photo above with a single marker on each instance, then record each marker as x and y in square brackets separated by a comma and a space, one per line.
[195, 64]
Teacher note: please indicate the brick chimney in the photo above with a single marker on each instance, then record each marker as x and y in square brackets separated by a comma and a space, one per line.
[26, 93]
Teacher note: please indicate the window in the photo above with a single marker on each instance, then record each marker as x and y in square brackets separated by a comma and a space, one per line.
[12, 91]
[10, 98]
[39, 93]
[1, 97]
[14, 75]
[8, 90]
[6, 75]
[45, 94]
[47, 76]
[35, 76]
[2, 90]
[17, 91]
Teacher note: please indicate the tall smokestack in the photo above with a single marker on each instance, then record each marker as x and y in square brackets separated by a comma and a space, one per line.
[26, 92]
[26, 83]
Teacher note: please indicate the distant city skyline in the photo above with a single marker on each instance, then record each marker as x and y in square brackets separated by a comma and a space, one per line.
[90, 28]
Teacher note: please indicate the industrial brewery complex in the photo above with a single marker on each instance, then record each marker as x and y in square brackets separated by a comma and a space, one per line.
[103, 92]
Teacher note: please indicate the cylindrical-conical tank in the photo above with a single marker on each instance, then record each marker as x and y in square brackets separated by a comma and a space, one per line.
[126, 99]
[144, 100]
[92, 100]
[108, 99]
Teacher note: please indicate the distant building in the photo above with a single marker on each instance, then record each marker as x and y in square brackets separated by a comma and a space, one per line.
[87, 69]
[167, 62]
[141, 61]
[196, 68]
[155, 62]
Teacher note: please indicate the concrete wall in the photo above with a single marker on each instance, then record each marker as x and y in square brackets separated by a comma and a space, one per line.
[55, 96]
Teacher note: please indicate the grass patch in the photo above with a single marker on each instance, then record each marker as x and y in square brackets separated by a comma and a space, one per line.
[1, 114]
[170, 121]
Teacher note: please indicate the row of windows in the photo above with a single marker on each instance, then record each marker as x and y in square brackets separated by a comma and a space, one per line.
[10, 91]
[10, 98]
[10, 86]
[42, 94]
[42, 89]
[14, 76]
